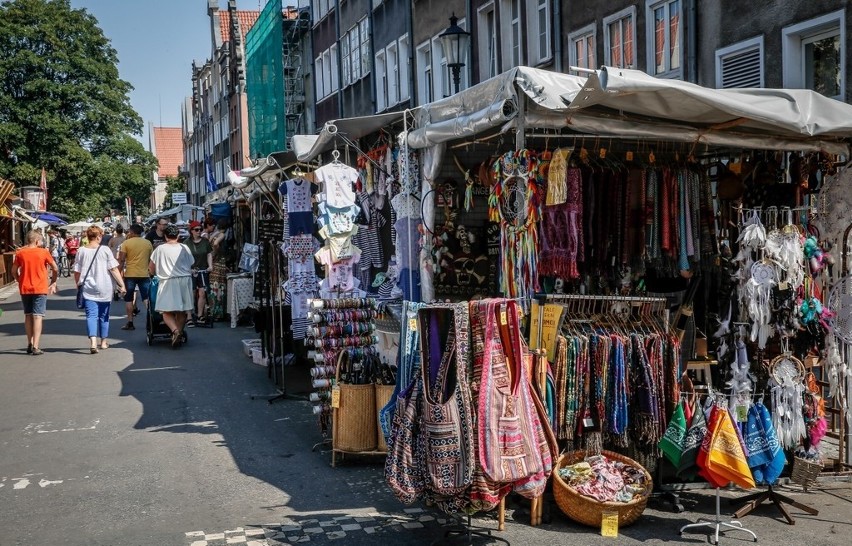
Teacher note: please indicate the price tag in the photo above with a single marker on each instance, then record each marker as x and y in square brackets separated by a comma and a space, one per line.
[412, 324]
[609, 524]
[588, 422]
[504, 319]
[629, 156]
[742, 413]
[335, 397]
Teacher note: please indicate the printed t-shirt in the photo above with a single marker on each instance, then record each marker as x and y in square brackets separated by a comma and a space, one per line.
[137, 252]
[339, 274]
[337, 221]
[341, 245]
[300, 217]
[33, 263]
[338, 181]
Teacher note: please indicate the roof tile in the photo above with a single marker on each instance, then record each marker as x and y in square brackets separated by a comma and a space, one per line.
[168, 147]
[245, 17]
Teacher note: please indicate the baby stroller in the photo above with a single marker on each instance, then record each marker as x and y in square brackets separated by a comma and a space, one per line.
[155, 328]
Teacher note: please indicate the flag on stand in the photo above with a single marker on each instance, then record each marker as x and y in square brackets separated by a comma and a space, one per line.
[210, 179]
[43, 186]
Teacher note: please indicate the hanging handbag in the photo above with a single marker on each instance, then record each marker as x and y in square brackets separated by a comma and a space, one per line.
[81, 300]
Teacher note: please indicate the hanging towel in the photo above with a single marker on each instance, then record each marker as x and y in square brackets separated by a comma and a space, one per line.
[672, 443]
[722, 458]
[692, 444]
[766, 458]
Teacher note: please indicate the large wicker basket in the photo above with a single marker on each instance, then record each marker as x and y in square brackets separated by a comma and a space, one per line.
[354, 423]
[805, 472]
[589, 511]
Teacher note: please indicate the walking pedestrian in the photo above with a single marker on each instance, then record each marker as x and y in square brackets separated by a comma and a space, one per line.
[95, 268]
[202, 253]
[116, 240]
[133, 258]
[172, 263]
[72, 243]
[29, 269]
[156, 234]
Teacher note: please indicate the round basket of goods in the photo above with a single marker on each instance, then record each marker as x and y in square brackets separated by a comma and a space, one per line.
[587, 486]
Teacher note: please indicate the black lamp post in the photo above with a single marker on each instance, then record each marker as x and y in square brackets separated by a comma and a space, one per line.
[456, 43]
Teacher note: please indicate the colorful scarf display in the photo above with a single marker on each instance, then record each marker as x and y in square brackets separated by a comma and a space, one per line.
[765, 456]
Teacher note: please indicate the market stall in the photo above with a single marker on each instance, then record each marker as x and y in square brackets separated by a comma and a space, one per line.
[640, 262]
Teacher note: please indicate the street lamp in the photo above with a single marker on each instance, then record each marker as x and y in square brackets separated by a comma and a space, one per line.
[456, 43]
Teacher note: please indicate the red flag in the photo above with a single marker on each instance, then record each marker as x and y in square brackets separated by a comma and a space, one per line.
[43, 186]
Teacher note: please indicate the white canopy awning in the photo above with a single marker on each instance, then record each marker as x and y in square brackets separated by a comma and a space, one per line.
[622, 103]
[308, 147]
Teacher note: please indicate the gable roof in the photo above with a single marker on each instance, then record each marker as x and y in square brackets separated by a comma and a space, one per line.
[246, 19]
[168, 149]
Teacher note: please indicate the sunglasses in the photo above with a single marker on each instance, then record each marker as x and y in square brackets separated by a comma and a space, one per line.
[196, 229]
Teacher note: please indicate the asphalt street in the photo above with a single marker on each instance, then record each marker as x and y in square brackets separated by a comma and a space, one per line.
[148, 446]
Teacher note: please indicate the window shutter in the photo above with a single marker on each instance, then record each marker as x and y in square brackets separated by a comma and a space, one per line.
[741, 69]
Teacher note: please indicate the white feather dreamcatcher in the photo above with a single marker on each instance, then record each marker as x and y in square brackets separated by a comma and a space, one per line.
[758, 301]
[787, 374]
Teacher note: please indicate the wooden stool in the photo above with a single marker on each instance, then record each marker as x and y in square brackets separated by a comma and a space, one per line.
[702, 370]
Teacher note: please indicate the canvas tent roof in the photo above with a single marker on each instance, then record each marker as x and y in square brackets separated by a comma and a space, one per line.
[626, 103]
[308, 147]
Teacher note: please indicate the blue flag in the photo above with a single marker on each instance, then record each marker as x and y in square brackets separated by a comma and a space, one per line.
[210, 179]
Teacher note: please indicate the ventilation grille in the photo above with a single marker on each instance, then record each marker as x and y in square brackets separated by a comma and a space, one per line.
[741, 69]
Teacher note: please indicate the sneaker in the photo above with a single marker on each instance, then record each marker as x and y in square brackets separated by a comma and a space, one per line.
[128, 326]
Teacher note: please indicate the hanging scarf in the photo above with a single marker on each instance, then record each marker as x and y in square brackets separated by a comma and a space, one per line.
[688, 466]
[765, 456]
[557, 175]
[722, 457]
[673, 440]
[617, 418]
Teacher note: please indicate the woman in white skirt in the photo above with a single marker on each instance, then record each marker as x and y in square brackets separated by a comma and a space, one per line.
[172, 263]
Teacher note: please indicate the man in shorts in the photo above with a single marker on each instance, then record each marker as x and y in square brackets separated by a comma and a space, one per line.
[30, 271]
[133, 260]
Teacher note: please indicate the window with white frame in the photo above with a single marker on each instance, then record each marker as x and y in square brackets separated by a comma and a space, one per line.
[354, 54]
[814, 53]
[318, 72]
[335, 73]
[538, 23]
[620, 38]
[425, 77]
[512, 32]
[392, 71]
[487, 41]
[321, 8]
[665, 38]
[404, 68]
[583, 44]
[326, 74]
[345, 60]
[364, 31]
[740, 65]
[382, 99]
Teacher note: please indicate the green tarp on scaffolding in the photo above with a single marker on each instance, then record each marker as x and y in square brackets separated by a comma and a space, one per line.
[265, 82]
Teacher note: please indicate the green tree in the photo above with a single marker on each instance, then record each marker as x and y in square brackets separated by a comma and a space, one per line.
[64, 107]
[173, 184]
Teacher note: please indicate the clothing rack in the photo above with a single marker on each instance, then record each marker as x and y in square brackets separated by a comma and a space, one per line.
[592, 304]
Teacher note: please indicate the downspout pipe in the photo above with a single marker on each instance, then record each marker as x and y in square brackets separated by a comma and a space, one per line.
[557, 35]
[692, 42]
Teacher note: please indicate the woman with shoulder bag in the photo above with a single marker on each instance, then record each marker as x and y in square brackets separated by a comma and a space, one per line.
[93, 268]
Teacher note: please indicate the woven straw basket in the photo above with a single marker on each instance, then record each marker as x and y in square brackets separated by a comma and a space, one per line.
[589, 511]
[805, 472]
[383, 396]
[355, 423]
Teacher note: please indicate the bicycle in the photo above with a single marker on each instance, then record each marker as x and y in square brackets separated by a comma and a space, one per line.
[64, 266]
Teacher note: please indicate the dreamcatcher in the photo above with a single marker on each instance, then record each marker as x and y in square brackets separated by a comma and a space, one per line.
[784, 247]
[837, 346]
[515, 203]
[758, 300]
[787, 375]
